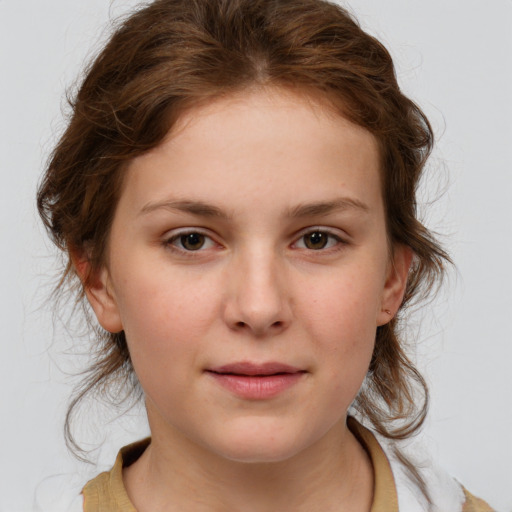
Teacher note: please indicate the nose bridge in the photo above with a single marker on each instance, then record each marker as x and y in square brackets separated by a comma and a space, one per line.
[258, 299]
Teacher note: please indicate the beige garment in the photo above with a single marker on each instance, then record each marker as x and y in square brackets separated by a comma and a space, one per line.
[106, 492]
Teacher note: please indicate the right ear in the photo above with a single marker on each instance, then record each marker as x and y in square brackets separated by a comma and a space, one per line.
[99, 292]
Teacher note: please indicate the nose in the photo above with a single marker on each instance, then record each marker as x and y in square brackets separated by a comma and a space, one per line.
[258, 298]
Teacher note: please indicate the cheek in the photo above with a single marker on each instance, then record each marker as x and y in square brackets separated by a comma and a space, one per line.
[158, 299]
[343, 307]
[340, 314]
[165, 321]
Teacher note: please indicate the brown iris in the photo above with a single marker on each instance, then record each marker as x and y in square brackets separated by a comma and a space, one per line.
[192, 241]
[316, 240]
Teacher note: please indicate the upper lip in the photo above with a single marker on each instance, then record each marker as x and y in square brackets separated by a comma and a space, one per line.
[249, 368]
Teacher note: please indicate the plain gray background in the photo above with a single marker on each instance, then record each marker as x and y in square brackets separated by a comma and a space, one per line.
[454, 58]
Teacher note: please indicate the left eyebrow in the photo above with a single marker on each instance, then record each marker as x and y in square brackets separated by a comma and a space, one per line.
[326, 207]
[194, 207]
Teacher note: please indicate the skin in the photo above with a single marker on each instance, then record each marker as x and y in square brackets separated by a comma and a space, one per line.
[254, 175]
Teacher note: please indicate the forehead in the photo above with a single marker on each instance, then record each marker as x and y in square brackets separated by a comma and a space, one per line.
[294, 110]
[255, 144]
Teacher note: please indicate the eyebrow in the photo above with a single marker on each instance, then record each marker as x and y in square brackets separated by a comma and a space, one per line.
[194, 207]
[202, 209]
[321, 208]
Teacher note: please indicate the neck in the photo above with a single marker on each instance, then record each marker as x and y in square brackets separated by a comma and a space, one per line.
[175, 474]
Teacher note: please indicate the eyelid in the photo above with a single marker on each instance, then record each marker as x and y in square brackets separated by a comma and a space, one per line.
[340, 236]
[171, 236]
[176, 234]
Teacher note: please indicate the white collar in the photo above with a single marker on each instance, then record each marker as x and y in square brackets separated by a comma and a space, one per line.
[446, 493]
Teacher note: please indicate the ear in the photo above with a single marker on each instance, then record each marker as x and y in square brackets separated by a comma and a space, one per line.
[99, 292]
[396, 282]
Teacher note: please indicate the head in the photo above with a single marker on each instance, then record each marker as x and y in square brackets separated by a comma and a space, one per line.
[174, 57]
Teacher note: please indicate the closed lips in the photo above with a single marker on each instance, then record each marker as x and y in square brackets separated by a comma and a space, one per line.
[250, 381]
[256, 370]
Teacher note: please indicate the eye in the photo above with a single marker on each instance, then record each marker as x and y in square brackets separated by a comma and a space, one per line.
[317, 240]
[191, 241]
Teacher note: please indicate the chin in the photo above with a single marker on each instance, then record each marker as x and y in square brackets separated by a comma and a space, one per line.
[261, 444]
[259, 453]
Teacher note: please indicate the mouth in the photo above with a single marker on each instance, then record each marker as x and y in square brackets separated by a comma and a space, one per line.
[255, 370]
[257, 381]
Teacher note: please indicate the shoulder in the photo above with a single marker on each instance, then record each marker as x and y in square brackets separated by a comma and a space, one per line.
[107, 491]
[474, 504]
[445, 492]
[408, 467]
[67, 493]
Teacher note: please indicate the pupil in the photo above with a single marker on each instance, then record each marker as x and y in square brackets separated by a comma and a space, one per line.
[192, 241]
[316, 240]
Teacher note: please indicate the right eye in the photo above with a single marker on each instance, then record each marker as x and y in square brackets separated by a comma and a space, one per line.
[319, 239]
[190, 241]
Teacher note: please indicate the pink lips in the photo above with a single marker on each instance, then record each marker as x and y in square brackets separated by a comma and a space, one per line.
[256, 381]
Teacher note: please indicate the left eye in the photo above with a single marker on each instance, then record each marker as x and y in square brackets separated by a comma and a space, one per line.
[317, 240]
[192, 241]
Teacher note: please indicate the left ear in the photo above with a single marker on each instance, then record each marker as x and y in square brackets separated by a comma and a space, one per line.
[98, 290]
[396, 281]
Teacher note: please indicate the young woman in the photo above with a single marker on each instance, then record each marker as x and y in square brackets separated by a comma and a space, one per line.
[236, 195]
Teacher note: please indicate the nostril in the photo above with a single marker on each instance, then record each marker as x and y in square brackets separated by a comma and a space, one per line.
[243, 325]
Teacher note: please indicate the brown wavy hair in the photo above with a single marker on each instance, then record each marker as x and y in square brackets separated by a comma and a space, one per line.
[172, 55]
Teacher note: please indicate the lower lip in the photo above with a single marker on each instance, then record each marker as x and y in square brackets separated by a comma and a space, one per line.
[254, 387]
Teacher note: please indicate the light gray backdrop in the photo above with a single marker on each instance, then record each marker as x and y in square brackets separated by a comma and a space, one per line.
[454, 58]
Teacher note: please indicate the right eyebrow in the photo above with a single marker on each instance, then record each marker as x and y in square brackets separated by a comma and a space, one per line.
[323, 208]
[193, 207]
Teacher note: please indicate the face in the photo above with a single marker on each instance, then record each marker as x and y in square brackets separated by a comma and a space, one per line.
[249, 268]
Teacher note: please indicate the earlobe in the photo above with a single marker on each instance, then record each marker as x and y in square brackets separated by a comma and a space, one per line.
[395, 285]
[99, 292]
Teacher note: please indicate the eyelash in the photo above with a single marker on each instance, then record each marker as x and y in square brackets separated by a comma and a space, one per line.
[336, 242]
[339, 242]
[170, 242]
